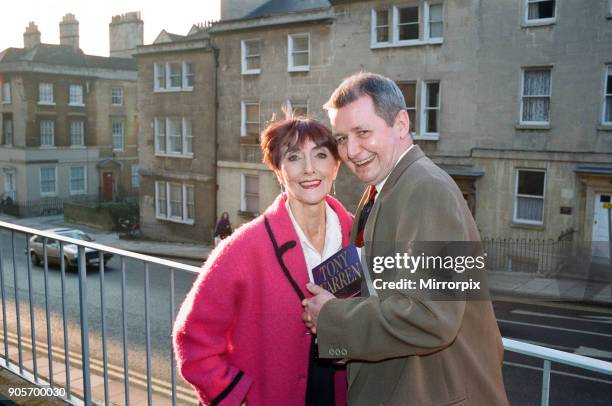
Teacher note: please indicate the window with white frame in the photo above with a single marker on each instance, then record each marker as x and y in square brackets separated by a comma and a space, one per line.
[607, 102]
[173, 76]
[297, 108]
[529, 196]
[78, 180]
[250, 119]
[173, 136]
[135, 177]
[77, 132]
[48, 185]
[540, 10]
[7, 129]
[118, 132]
[76, 95]
[401, 25]
[175, 202]
[250, 194]
[409, 91]
[6, 92]
[47, 133]
[45, 93]
[430, 109]
[117, 96]
[251, 57]
[298, 52]
[535, 98]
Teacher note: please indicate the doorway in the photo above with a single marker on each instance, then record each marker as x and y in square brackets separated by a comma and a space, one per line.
[601, 232]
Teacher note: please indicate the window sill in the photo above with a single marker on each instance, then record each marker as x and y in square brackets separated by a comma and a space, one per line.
[76, 105]
[412, 43]
[118, 150]
[298, 68]
[251, 72]
[174, 90]
[117, 105]
[78, 147]
[247, 214]
[6, 102]
[534, 126]
[48, 147]
[48, 194]
[46, 103]
[176, 220]
[527, 226]
[539, 23]
[185, 156]
[604, 127]
[428, 137]
[78, 193]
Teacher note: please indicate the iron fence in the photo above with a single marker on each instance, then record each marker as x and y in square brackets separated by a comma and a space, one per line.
[44, 207]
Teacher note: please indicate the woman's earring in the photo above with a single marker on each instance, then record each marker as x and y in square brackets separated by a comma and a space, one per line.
[334, 188]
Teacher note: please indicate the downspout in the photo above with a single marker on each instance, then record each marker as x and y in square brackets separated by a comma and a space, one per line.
[215, 132]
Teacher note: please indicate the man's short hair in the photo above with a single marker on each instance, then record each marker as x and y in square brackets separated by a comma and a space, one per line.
[387, 97]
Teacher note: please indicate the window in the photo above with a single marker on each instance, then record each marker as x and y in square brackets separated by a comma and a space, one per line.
[76, 95]
[47, 133]
[251, 59]
[535, 101]
[45, 93]
[298, 52]
[77, 180]
[6, 92]
[117, 135]
[135, 177]
[173, 76]
[47, 181]
[297, 107]
[117, 96]
[250, 119]
[173, 136]
[607, 103]
[401, 25]
[540, 10]
[250, 194]
[77, 132]
[175, 202]
[7, 130]
[529, 197]
[409, 92]
[430, 110]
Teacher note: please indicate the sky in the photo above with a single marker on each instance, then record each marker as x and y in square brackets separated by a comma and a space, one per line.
[175, 16]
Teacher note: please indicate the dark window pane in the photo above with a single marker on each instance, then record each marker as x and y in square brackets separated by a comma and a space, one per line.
[409, 92]
[542, 9]
[604, 198]
[408, 15]
[382, 34]
[407, 32]
[609, 84]
[531, 183]
[382, 17]
[432, 94]
[432, 121]
[412, 120]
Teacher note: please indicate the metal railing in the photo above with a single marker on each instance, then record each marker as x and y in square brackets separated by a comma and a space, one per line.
[64, 353]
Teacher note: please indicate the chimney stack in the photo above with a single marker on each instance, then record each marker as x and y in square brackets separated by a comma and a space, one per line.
[125, 34]
[69, 31]
[31, 36]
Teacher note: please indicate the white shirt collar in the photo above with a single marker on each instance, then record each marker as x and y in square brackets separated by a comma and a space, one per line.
[380, 185]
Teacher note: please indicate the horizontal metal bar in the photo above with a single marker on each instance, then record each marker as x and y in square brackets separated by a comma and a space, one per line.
[561, 357]
[100, 247]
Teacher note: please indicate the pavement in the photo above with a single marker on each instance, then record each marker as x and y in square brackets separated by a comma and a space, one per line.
[597, 291]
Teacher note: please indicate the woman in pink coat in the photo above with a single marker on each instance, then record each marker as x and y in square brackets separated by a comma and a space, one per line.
[239, 337]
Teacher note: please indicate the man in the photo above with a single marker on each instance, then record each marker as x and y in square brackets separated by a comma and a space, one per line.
[403, 349]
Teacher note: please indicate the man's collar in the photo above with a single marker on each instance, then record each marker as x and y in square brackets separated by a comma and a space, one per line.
[380, 185]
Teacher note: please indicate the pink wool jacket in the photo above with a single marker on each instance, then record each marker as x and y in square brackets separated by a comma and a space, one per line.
[239, 333]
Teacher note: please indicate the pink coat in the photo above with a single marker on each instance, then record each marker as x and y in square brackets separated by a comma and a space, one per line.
[239, 332]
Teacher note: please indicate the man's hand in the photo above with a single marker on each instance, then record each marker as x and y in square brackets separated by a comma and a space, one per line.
[313, 306]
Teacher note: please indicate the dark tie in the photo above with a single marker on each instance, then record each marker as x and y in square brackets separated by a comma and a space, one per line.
[363, 217]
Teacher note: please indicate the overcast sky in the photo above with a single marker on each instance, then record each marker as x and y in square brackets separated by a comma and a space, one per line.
[176, 16]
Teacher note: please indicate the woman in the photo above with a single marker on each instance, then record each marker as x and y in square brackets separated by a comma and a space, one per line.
[223, 228]
[239, 336]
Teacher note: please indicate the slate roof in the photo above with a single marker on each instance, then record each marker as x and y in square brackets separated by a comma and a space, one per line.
[65, 55]
[286, 6]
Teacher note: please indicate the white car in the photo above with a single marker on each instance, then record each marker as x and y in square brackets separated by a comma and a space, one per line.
[70, 251]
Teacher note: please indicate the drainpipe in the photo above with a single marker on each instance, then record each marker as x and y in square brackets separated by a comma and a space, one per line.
[215, 132]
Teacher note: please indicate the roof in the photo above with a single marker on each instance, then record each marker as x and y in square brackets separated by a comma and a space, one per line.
[65, 55]
[286, 6]
[195, 33]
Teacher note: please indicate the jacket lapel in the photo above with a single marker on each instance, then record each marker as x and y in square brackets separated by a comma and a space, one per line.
[362, 202]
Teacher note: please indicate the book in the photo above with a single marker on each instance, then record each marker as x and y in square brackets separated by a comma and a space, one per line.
[340, 274]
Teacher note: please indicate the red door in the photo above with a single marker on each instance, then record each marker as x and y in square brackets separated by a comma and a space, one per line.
[108, 185]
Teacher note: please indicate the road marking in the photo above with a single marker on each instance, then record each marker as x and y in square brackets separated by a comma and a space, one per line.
[556, 305]
[552, 371]
[560, 347]
[600, 319]
[608, 318]
[593, 352]
[520, 323]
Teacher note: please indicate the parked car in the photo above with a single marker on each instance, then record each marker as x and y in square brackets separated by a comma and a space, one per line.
[70, 251]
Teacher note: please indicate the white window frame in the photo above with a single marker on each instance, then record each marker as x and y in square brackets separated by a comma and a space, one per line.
[78, 191]
[135, 176]
[6, 92]
[395, 23]
[427, 22]
[115, 136]
[424, 21]
[166, 75]
[40, 180]
[243, 50]
[243, 196]
[522, 96]
[606, 93]
[186, 137]
[423, 109]
[539, 21]
[374, 25]
[243, 115]
[8, 124]
[187, 74]
[40, 128]
[76, 96]
[290, 65]
[184, 218]
[117, 96]
[297, 103]
[416, 109]
[516, 196]
[82, 128]
[45, 89]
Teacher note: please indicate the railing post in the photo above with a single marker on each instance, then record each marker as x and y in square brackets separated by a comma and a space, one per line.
[83, 306]
[545, 383]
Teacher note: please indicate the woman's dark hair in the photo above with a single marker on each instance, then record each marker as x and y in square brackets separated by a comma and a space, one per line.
[282, 135]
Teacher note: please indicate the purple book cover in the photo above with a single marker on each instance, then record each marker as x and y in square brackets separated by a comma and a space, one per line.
[341, 273]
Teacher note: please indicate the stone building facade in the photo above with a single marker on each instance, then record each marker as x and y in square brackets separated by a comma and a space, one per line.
[68, 121]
